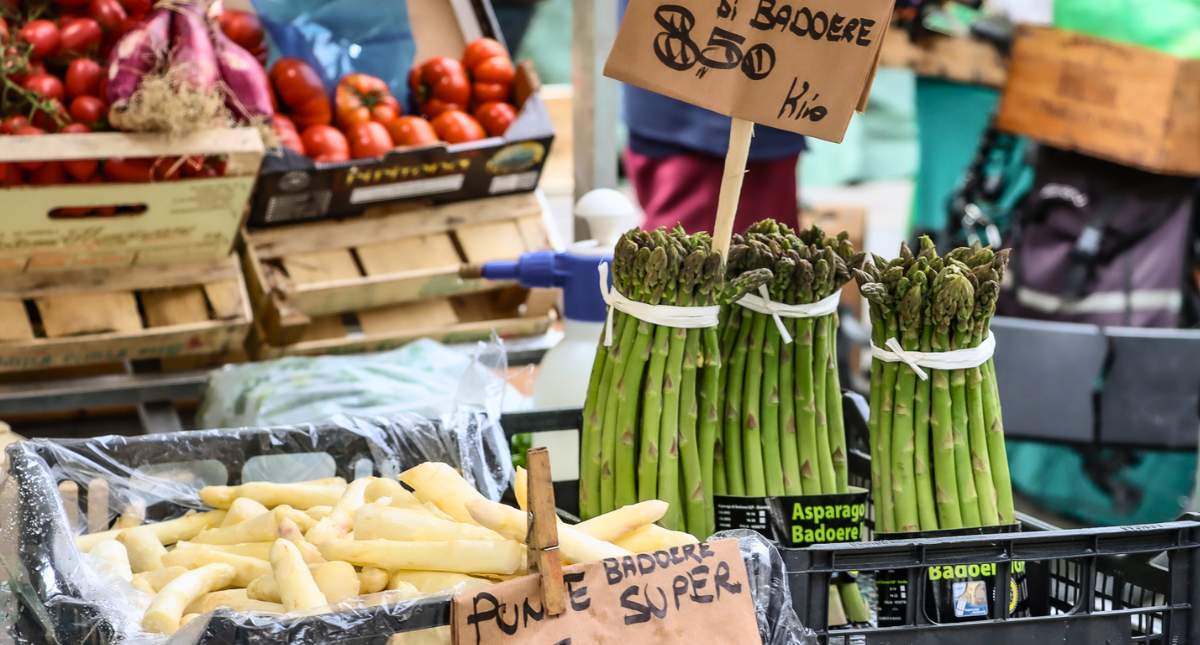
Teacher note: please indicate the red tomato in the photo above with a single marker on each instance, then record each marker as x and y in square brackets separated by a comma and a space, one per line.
[360, 98]
[28, 131]
[288, 136]
[83, 78]
[325, 143]
[497, 69]
[10, 175]
[442, 79]
[88, 110]
[11, 124]
[368, 139]
[434, 107]
[495, 117]
[243, 28]
[456, 126]
[51, 118]
[109, 13]
[3, 33]
[139, 170]
[70, 3]
[42, 35]
[49, 173]
[44, 85]
[137, 7]
[80, 36]
[480, 50]
[411, 131]
[488, 92]
[301, 91]
[80, 170]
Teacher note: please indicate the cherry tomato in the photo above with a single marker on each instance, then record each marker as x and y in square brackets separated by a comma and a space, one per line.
[455, 126]
[480, 50]
[109, 13]
[360, 98]
[44, 85]
[497, 69]
[10, 175]
[411, 131]
[80, 36]
[288, 136]
[79, 169]
[243, 28]
[52, 117]
[83, 78]
[28, 131]
[442, 79]
[137, 7]
[325, 143]
[301, 91]
[495, 117]
[11, 124]
[488, 92]
[43, 36]
[132, 170]
[368, 139]
[88, 110]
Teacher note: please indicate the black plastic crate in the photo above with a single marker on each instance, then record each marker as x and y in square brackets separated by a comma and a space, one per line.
[1127, 584]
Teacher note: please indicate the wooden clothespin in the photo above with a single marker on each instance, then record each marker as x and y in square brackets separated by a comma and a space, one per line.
[543, 532]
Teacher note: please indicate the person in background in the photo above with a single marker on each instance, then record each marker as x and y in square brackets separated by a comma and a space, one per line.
[676, 157]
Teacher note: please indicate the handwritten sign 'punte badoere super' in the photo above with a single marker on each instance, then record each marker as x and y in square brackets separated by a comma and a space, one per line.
[798, 65]
[698, 593]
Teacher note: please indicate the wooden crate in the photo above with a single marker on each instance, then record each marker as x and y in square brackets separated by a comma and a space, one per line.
[1124, 103]
[507, 312]
[959, 59]
[73, 318]
[185, 221]
[301, 273]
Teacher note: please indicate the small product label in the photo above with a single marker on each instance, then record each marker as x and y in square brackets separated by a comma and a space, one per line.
[400, 190]
[511, 183]
[892, 586]
[804, 520]
[752, 513]
[287, 208]
[970, 598]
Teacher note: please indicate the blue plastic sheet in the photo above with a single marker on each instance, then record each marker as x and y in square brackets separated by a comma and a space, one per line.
[338, 37]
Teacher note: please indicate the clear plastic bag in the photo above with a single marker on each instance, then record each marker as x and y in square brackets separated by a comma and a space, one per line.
[423, 377]
[778, 623]
[64, 595]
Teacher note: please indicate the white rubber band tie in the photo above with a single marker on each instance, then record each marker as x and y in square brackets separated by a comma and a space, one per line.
[665, 315]
[959, 359]
[777, 310]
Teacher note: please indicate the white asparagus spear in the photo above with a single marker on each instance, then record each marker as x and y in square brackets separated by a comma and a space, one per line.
[144, 549]
[300, 495]
[235, 599]
[166, 609]
[111, 556]
[297, 589]
[341, 519]
[436, 581]
[336, 580]
[152, 582]
[372, 580]
[242, 509]
[374, 521]
[575, 545]
[463, 556]
[246, 568]
[168, 532]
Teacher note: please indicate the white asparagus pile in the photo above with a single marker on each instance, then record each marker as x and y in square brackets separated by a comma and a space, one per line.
[301, 547]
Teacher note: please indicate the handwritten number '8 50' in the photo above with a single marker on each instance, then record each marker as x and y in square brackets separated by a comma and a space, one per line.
[676, 49]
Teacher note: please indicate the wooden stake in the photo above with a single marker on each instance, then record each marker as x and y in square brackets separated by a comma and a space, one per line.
[543, 532]
[740, 133]
[69, 491]
[97, 505]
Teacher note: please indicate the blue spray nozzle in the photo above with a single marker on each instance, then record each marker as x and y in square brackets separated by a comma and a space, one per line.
[575, 274]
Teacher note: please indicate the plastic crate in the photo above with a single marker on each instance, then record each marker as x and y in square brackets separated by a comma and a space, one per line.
[1125, 584]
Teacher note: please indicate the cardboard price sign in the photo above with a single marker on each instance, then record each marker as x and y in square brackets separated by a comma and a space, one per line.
[698, 593]
[798, 65]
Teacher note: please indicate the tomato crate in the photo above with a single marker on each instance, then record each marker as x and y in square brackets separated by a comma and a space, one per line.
[66, 319]
[395, 270]
[155, 223]
[293, 188]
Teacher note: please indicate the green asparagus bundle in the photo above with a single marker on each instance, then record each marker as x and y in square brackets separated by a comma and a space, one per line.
[783, 432]
[937, 444]
[653, 393]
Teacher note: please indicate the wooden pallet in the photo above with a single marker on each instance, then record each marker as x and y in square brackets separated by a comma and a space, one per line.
[507, 312]
[159, 223]
[960, 59]
[103, 316]
[304, 275]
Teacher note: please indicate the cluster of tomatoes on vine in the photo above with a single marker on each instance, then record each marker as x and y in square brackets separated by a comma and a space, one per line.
[457, 101]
